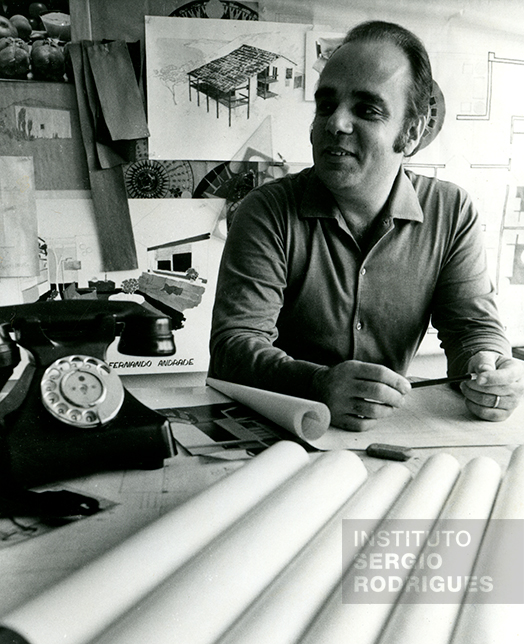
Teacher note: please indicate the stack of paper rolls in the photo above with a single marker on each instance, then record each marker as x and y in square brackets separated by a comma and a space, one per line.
[287, 606]
[467, 510]
[483, 620]
[276, 503]
[202, 599]
[84, 604]
[256, 559]
[345, 618]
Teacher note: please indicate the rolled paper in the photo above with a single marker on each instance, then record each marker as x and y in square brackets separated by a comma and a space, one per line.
[484, 619]
[467, 510]
[200, 601]
[307, 419]
[284, 610]
[81, 606]
[344, 618]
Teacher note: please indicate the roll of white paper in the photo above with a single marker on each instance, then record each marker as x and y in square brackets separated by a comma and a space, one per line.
[344, 618]
[199, 602]
[77, 609]
[307, 419]
[284, 610]
[466, 511]
[502, 553]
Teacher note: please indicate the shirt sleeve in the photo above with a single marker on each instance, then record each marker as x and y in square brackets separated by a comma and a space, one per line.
[250, 293]
[464, 307]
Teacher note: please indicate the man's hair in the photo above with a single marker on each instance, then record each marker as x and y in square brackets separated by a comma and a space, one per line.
[419, 93]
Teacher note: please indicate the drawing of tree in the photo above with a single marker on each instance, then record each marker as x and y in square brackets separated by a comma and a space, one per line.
[172, 75]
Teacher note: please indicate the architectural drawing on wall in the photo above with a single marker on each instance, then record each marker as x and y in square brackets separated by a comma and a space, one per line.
[491, 166]
[18, 219]
[147, 178]
[218, 81]
[253, 164]
[486, 114]
[517, 126]
[228, 80]
[499, 106]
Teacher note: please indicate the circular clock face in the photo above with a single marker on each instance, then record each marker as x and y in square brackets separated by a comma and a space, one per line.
[153, 179]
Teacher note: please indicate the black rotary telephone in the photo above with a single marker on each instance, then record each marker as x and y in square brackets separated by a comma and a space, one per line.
[68, 415]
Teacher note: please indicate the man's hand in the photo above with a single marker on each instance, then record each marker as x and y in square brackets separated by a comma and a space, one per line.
[499, 386]
[359, 393]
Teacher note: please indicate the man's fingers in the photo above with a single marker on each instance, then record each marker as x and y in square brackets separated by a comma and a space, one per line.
[492, 399]
[377, 375]
[494, 414]
[378, 392]
[359, 414]
[353, 423]
[371, 408]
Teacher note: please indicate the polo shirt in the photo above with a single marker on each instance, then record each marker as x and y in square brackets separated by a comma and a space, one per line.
[296, 292]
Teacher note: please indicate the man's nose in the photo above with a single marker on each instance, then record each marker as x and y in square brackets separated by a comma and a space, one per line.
[340, 122]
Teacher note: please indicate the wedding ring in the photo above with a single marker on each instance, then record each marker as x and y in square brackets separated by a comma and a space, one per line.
[496, 403]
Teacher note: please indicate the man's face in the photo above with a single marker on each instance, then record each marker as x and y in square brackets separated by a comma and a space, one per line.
[360, 109]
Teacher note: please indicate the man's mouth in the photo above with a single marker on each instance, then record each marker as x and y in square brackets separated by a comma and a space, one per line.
[339, 152]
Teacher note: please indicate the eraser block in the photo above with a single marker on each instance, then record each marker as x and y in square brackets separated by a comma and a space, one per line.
[389, 452]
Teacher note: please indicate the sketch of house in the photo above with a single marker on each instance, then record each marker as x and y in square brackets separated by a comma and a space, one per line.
[180, 256]
[228, 80]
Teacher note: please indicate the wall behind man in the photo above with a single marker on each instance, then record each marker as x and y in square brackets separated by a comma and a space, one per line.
[477, 53]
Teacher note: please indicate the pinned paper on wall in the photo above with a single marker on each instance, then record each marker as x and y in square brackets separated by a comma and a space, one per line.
[218, 80]
[40, 120]
[18, 223]
[178, 261]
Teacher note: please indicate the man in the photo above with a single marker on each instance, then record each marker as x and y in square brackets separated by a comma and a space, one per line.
[330, 277]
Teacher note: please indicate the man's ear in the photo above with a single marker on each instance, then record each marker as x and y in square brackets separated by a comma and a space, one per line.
[414, 135]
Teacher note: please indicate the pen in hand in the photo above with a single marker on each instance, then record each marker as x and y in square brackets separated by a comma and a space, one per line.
[443, 381]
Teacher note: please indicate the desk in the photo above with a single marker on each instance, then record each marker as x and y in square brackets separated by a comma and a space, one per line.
[140, 497]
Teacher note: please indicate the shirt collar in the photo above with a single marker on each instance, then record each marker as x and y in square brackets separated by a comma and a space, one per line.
[402, 203]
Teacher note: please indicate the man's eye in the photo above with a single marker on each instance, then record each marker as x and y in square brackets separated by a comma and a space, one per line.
[368, 112]
[325, 108]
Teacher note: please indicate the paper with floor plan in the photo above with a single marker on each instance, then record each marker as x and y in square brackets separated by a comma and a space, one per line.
[433, 417]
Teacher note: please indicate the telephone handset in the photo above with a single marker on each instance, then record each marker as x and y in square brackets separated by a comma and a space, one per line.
[69, 414]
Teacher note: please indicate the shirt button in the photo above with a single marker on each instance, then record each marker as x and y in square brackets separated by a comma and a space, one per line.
[362, 271]
[386, 222]
[359, 326]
